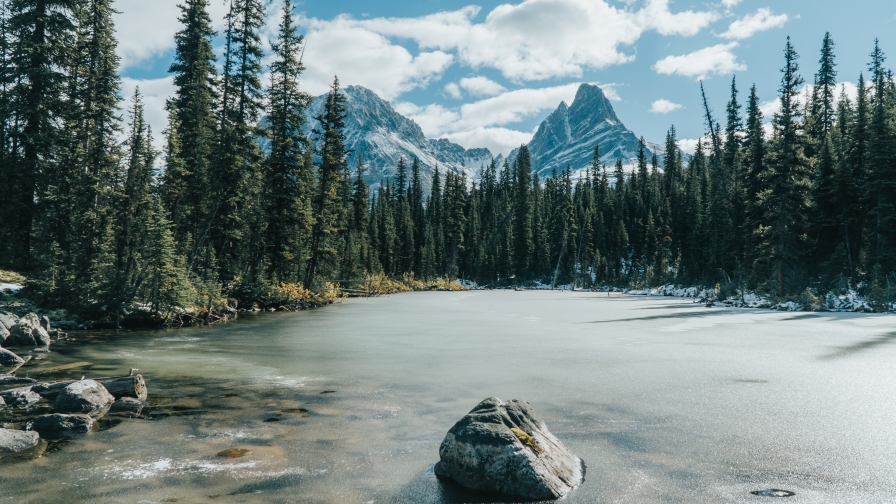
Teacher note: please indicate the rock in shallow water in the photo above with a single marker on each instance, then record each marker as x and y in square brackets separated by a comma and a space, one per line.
[129, 406]
[20, 397]
[9, 361]
[85, 396]
[28, 332]
[15, 441]
[506, 448]
[59, 426]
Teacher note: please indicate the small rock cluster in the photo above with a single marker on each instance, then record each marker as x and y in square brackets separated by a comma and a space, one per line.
[62, 409]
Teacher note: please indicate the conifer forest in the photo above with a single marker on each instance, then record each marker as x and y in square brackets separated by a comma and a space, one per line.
[247, 203]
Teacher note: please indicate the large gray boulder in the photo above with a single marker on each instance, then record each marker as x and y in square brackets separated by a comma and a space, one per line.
[20, 398]
[4, 333]
[7, 320]
[9, 361]
[57, 426]
[85, 396]
[505, 448]
[16, 441]
[28, 332]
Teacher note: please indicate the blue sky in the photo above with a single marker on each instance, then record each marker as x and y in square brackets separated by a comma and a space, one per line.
[484, 74]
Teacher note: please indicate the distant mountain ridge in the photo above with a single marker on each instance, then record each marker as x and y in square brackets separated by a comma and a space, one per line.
[375, 130]
[568, 136]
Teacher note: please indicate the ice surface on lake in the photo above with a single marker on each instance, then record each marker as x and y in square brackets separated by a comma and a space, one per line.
[666, 400]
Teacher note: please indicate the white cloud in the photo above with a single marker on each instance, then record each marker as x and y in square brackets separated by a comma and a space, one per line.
[497, 140]
[610, 91]
[433, 119]
[146, 29]
[532, 40]
[515, 106]
[360, 56]
[730, 3]
[664, 106]
[717, 59]
[656, 16]
[481, 86]
[453, 90]
[751, 24]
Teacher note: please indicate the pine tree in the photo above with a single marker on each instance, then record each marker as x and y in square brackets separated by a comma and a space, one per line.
[822, 107]
[732, 242]
[418, 213]
[134, 216]
[236, 155]
[454, 199]
[754, 174]
[404, 224]
[848, 188]
[786, 197]
[44, 31]
[434, 219]
[541, 249]
[881, 187]
[192, 126]
[95, 126]
[522, 214]
[8, 157]
[327, 205]
[819, 125]
[289, 174]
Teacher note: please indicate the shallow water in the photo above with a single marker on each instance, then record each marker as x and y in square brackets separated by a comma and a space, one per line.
[665, 400]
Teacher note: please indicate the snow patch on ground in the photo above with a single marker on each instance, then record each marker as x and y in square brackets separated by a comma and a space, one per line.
[849, 302]
[11, 287]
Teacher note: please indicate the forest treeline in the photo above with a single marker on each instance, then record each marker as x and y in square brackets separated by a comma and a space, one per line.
[248, 202]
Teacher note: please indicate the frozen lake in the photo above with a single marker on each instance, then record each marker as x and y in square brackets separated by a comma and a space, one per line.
[665, 400]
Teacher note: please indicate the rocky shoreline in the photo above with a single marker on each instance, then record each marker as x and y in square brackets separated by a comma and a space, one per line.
[34, 414]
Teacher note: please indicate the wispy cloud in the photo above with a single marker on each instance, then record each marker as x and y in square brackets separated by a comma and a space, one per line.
[481, 86]
[751, 24]
[714, 60]
[663, 106]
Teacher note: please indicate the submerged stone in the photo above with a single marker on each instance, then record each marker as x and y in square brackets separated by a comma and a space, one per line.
[506, 448]
[234, 453]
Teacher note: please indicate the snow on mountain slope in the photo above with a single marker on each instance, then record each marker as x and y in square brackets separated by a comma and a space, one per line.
[569, 134]
[382, 135]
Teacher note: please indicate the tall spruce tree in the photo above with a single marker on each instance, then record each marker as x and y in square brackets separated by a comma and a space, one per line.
[236, 155]
[327, 205]
[289, 176]
[881, 188]
[819, 126]
[191, 131]
[522, 214]
[785, 198]
[44, 32]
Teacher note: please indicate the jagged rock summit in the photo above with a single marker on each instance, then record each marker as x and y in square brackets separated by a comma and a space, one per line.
[569, 134]
[375, 130]
[504, 447]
